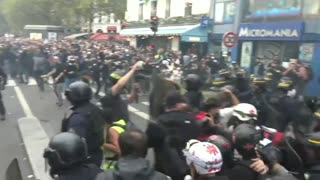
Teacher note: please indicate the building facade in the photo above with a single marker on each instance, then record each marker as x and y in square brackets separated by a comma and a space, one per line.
[179, 27]
[282, 30]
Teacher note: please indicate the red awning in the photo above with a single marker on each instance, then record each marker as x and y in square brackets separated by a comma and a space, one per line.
[112, 28]
[99, 36]
[104, 37]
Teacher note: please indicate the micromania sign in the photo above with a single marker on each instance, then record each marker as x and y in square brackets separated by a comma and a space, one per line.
[271, 31]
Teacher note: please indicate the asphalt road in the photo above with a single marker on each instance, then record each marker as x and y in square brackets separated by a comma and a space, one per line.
[42, 106]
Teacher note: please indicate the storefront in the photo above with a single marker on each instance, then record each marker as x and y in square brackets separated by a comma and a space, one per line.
[264, 42]
[171, 38]
[267, 41]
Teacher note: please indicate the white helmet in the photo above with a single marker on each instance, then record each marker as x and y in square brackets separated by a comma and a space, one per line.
[204, 156]
[245, 112]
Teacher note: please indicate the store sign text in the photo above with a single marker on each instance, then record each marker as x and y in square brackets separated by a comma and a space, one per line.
[246, 32]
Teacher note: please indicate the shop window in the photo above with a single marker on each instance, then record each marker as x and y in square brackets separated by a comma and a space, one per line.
[271, 8]
[225, 12]
[188, 9]
[141, 11]
[154, 4]
[168, 7]
[311, 7]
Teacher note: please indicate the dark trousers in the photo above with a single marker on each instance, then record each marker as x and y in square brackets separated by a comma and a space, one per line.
[98, 82]
[39, 79]
[2, 108]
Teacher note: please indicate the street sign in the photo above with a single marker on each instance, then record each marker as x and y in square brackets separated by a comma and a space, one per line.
[205, 22]
[230, 39]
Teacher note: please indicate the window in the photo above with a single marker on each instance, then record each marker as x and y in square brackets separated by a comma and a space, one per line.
[188, 9]
[311, 7]
[168, 6]
[141, 11]
[274, 7]
[224, 12]
[154, 7]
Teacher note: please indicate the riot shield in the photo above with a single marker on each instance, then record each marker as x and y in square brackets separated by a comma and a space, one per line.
[160, 89]
[13, 172]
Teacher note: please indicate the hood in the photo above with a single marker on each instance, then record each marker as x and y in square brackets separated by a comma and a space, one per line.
[130, 168]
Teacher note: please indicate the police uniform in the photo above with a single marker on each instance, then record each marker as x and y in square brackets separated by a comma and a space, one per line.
[85, 119]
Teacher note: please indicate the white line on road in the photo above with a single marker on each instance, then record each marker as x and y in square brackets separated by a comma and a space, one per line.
[146, 103]
[139, 113]
[34, 137]
[25, 106]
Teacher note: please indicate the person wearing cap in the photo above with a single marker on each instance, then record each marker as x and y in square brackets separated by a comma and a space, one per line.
[114, 101]
[70, 72]
[205, 161]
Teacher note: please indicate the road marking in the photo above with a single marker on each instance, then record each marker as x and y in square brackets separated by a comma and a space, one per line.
[11, 82]
[34, 137]
[146, 103]
[25, 106]
[32, 82]
[139, 113]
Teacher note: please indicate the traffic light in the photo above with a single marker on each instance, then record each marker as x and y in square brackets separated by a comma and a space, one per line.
[154, 23]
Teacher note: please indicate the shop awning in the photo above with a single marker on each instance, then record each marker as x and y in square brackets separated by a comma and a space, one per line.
[162, 31]
[196, 34]
[77, 36]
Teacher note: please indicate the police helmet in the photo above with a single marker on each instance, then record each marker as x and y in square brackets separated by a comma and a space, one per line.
[66, 149]
[259, 81]
[193, 82]
[79, 92]
[246, 137]
[225, 146]
[269, 77]
[220, 82]
[285, 83]
[313, 140]
[245, 112]
[240, 73]
[224, 73]
[116, 76]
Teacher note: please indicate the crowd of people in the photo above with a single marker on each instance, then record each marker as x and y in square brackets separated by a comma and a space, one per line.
[246, 126]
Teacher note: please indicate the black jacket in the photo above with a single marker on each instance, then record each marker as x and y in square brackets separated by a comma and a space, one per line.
[131, 168]
[84, 172]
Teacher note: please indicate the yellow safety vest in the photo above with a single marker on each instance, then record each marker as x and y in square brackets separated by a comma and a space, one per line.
[119, 127]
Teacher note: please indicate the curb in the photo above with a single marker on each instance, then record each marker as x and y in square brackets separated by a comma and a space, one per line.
[35, 141]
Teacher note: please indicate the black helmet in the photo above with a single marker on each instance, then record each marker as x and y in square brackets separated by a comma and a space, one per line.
[116, 76]
[225, 147]
[241, 73]
[79, 92]
[218, 83]
[285, 83]
[246, 137]
[259, 81]
[193, 82]
[65, 149]
[225, 73]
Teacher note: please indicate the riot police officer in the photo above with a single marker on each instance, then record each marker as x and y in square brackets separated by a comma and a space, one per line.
[193, 95]
[311, 156]
[66, 155]
[85, 119]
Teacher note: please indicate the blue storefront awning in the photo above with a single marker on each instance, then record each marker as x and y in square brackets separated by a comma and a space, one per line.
[162, 31]
[196, 34]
